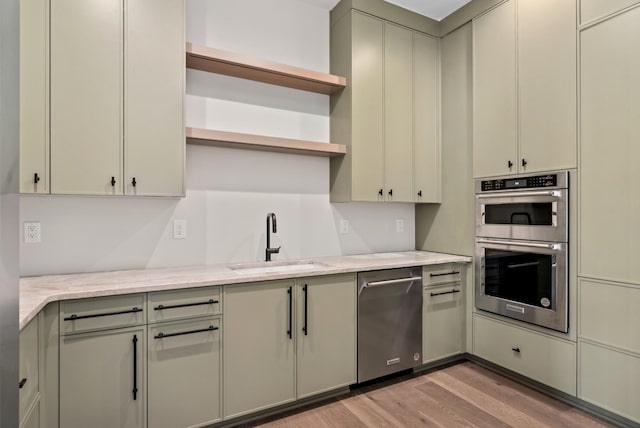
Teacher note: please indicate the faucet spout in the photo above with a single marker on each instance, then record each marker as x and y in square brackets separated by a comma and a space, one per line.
[268, 251]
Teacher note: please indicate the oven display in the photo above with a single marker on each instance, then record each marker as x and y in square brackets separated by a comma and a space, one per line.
[549, 180]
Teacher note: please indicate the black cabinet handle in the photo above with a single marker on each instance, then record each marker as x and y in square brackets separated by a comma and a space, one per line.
[305, 290]
[134, 182]
[113, 181]
[445, 292]
[524, 162]
[22, 383]
[36, 178]
[420, 193]
[185, 305]
[182, 333]
[135, 367]
[74, 317]
[289, 331]
[390, 192]
[516, 350]
[509, 164]
[453, 272]
[380, 192]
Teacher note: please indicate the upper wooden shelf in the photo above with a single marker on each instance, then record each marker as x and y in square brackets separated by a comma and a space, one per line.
[232, 64]
[236, 140]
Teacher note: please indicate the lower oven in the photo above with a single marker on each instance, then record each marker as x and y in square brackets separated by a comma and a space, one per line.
[523, 280]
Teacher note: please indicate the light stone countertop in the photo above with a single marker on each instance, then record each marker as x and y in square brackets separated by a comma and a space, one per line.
[37, 292]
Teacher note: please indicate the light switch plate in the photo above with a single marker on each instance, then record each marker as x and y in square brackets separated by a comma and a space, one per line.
[179, 229]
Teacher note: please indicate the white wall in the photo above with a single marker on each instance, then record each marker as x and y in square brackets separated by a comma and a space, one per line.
[229, 192]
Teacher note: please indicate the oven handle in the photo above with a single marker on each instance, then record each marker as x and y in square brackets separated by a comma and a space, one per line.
[520, 244]
[556, 193]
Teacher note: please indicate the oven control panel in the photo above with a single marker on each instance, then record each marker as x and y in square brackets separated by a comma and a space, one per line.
[547, 180]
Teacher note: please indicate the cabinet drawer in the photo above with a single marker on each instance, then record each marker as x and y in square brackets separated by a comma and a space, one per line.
[609, 379]
[606, 323]
[193, 302]
[101, 313]
[442, 322]
[442, 274]
[28, 375]
[545, 359]
[594, 9]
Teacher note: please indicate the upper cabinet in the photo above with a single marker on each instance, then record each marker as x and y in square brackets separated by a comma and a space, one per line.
[387, 116]
[116, 99]
[524, 80]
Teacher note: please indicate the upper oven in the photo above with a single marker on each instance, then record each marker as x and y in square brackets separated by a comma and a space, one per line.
[532, 208]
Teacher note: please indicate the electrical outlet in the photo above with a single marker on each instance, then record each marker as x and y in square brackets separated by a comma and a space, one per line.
[179, 229]
[344, 226]
[399, 225]
[32, 232]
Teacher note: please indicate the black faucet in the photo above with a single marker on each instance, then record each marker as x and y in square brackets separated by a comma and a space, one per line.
[269, 250]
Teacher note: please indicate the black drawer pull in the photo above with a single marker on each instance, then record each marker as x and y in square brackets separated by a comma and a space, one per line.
[22, 383]
[74, 317]
[182, 333]
[517, 350]
[453, 272]
[185, 305]
[445, 292]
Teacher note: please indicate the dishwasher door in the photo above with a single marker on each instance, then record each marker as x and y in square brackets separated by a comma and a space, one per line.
[389, 322]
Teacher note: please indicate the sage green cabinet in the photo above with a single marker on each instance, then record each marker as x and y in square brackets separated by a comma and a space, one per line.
[103, 379]
[443, 321]
[258, 352]
[32, 418]
[388, 113]
[326, 334]
[184, 373]
[524, 102]
[610, 131]
[29, 378]
[591, 10]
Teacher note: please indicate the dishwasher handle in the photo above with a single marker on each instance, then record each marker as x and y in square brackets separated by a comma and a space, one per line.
[391, 282]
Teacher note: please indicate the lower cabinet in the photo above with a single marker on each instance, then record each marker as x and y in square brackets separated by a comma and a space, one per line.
[28, 380]
[443, 322]
[103, 379]
[184, 373]
[545, 359]
[32, 417]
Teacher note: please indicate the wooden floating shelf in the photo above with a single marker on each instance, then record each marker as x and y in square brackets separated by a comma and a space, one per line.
[235, 140]
[232, 64]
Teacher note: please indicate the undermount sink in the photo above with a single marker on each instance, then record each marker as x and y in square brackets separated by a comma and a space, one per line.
[274, 267]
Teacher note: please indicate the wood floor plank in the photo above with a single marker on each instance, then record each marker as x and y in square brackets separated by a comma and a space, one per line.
[369, 413]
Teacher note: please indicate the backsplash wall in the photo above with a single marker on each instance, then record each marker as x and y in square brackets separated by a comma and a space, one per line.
[229, 192]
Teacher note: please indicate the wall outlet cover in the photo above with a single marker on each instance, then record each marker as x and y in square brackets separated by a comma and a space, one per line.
[400, 225]
[344, 226]
[179, 229]
[32, 232]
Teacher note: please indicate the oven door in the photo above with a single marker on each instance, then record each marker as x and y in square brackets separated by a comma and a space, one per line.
[537, 215]
[523, 280]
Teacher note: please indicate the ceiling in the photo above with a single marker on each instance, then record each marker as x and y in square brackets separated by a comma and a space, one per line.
[434, 9]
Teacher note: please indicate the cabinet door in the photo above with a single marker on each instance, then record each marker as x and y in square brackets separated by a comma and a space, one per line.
[367, 107]
[32, 419]
[86, 96]
[28, 372]
[494, 92]
[99, 373]
[426, 129]
[326, 334]
[609, 149]
[547, 84]
[184, 373]
[34, 96]
[398, 113]
[154, 98]
[443, 319]
[258, 347]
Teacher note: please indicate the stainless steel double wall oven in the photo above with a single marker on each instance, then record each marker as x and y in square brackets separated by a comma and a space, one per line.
[521, 248]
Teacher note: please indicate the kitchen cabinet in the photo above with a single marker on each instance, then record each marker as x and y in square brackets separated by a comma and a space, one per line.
[443, 312]
[117, 90]
[34, 96]
[28, 379]
[543, 358]
[387, 115]
[609, 196]
[524, 77]
[32, 419]
[258, 352]
[325, 334]
[591, 10]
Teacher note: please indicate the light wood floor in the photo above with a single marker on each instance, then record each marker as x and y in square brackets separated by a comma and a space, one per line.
[463, 395]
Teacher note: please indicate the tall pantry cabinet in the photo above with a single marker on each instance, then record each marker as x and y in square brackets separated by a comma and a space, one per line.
[115, 98]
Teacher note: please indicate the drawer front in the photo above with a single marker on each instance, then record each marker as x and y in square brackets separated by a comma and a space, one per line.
[545, 359]
[442, 322]
[609, 379]
[101, 313]
[609, 323]
[28, 376]
[193, 302]
[594, 9]
[442, 274]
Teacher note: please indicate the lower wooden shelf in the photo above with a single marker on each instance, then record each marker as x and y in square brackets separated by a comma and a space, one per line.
[210, 137]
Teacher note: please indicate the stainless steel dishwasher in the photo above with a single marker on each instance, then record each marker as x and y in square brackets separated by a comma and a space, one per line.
[389, 321]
